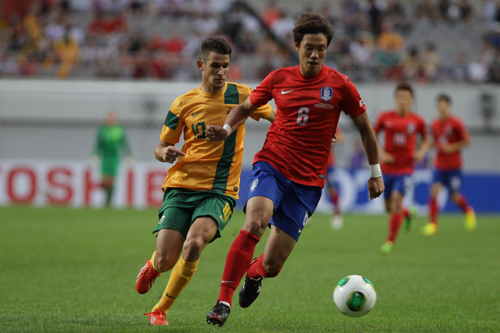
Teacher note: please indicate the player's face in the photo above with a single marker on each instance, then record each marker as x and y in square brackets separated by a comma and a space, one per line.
[404, 100]
[214, 71]
[312, 51]
[443, 108]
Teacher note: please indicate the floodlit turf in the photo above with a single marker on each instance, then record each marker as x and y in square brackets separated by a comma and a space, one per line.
[74, 270]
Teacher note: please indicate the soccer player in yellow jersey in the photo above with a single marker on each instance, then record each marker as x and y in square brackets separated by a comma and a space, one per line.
[201, 188]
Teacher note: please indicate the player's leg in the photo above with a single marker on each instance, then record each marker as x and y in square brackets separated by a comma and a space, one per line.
[201, 232]
[432, 227]
[299, 202]
[399, 188]
[108, 184]
[264, 195]
[259, 210]
[278, 247]
[258, 214]
[175, 217]
[337, 221]
[455, 185]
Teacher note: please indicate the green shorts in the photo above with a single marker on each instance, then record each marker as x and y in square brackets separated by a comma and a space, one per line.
[182, 206]
[109, 167]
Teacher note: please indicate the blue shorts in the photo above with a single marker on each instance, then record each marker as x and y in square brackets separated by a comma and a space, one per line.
[400, 183]
[293, 203]
[452, 179]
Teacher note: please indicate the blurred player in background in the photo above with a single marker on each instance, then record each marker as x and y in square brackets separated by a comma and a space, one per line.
[111, 140]
[337, 221]
[399, 154]
[201, 189]
[450, 137]
[289, 172]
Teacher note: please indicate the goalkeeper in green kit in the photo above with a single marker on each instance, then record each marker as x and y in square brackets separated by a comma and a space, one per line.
[111, 139]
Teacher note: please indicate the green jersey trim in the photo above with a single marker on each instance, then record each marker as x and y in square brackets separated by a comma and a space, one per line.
[224, 165]
[231, 96]
[171, 121]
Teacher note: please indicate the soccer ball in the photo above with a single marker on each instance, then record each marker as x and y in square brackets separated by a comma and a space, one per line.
[354, 295]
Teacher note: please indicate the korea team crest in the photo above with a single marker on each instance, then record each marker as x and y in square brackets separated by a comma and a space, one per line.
[326, 93]
[411, 128]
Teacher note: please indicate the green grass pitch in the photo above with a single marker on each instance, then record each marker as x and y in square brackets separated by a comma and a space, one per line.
[74, 270]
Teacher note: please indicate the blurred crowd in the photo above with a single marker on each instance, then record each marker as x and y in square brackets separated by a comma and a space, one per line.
[159, 39]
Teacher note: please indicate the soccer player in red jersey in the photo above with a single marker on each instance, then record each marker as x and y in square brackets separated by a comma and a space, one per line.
[398, 155]
[289, 172]
[337, 221]
[450, 137]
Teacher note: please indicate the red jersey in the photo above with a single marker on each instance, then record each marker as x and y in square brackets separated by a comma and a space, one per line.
[330, 163]
[400, 139]
[448, 131]
[308, 109]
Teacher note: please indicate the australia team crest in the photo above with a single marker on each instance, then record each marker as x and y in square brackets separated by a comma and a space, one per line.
[326, 93]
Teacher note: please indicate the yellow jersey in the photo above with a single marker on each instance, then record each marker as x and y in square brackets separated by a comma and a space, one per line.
[208, 165]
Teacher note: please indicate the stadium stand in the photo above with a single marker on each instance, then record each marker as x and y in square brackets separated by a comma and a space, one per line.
[425, 41]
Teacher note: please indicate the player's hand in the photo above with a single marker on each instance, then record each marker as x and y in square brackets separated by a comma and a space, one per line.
[169, 154]
[215, 133]
[334, 140]
[419, 156]
[447, 148]
[388, 158]
[94, 160]
[375, 187]
[129, 161]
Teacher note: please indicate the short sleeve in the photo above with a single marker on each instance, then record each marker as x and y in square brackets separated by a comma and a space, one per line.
[174, 122]
[264, 92]
[263, 112]
[352, 103]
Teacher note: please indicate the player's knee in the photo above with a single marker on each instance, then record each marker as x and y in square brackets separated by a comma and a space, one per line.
[192, 248]
[255, 226]
[164, 263]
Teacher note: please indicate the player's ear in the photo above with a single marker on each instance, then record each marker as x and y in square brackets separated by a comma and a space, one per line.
[297, 46]
[199, 63]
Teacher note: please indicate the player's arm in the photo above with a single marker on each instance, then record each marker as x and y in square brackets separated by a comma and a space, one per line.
[236, 118]
[424, 147]
[272, 116]
[166, 152]
[456, 146]
[369, 140]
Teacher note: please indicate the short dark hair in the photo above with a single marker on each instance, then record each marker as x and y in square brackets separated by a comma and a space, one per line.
[214, 44]
[444, 97]
[312, 23]
[404, 86]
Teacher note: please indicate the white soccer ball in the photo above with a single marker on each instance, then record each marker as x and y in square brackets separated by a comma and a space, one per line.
[355, 296]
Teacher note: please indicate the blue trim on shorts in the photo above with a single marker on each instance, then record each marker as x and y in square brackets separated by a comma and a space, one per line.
[293, 203]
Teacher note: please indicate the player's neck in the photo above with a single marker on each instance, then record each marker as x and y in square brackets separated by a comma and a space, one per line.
[210, 89]
[403, 112]
[305, 73]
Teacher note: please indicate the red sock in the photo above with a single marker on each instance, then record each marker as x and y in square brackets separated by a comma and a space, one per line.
[257, 270]
[463, 203]
[406, 212]
[335, 200]
[237, 262]
[433, 210]
[394, 224]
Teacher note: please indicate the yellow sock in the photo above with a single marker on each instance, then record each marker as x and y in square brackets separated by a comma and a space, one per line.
[179, 278]
[152, 261]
